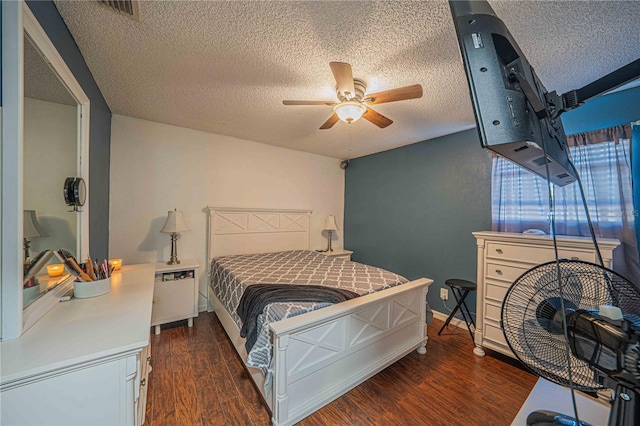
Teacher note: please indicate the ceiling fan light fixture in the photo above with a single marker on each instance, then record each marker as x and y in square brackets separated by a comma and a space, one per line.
[349, 111]
[353, 102]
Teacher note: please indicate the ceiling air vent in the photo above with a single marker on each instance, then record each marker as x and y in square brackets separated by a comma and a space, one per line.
[128, 7]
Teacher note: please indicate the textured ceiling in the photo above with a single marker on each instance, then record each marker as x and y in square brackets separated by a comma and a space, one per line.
[225, 67]
[40, 81]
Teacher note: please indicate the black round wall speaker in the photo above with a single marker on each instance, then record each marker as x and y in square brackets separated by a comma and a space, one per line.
[68, 191]
[74, 191]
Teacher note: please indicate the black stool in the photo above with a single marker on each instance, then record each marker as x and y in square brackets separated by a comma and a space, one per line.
[460, 290]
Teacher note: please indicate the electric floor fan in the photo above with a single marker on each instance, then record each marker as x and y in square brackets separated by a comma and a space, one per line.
[577, 324]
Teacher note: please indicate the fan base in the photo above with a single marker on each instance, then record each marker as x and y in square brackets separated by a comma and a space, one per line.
[551, 418]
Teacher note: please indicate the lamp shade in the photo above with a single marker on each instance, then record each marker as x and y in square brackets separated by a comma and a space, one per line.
[175, 223]
[349, 111]
[330, 223]
[30, 226]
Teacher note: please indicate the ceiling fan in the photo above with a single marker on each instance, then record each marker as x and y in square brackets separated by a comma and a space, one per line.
[353, 103]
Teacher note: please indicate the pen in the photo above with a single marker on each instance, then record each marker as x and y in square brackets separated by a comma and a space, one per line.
[90, 270]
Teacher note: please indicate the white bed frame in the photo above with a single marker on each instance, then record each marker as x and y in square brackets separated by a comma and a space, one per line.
[323, 354]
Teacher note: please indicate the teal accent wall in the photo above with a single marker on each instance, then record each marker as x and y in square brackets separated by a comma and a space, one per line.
[412, 210]
[604, 111]
[100, 124]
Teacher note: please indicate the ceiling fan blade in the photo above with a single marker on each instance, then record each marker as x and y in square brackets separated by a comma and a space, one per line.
[328, 103]
[393, 95]
[330, 122]
[376, 118]
[344, 78]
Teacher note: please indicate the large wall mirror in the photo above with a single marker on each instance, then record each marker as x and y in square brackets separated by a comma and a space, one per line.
[53, 144]
[50, 155]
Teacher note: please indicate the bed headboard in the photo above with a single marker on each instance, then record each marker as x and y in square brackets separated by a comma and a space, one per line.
[248, 230]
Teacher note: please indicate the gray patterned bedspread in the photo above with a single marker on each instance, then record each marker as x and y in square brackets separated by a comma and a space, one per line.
[230, 275]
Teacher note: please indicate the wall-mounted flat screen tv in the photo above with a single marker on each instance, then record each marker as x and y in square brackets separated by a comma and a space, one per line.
[509, 100]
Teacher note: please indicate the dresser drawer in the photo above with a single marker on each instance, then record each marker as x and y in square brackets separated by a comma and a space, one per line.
[494, 333]
[534, 255]
[503, 272]
[495, 292]
[493, 312]
[577, 255]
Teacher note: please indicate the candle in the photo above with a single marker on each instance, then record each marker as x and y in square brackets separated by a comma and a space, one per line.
[55, 270]
[116, 263]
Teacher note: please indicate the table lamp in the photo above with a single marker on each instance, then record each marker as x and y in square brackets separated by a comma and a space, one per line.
[175, 224]
[30, 229]
[330, 226]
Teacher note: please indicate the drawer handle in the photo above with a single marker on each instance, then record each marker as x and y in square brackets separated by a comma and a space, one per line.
[498, 271]
[143, 382]
[499, 251]
[575, 258]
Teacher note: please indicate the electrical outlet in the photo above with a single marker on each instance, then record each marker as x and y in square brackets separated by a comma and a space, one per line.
[444, 294]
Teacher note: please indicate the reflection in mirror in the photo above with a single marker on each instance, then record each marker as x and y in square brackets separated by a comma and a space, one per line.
[38, 279]
[50, 156]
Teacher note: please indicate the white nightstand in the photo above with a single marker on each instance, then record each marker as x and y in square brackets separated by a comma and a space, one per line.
[339, 253]
[175, 293]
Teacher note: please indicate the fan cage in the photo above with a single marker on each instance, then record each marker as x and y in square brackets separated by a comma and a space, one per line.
[532, 319]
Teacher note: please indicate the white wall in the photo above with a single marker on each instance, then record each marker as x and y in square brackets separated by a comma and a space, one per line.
[50, 156]
[157, 167]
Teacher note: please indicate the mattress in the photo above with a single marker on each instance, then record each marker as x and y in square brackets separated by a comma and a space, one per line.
[230, 275]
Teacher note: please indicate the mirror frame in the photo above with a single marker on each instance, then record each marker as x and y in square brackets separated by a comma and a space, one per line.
[17, 22]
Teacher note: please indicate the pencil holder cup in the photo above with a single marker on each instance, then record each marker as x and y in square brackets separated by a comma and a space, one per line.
[86, 289]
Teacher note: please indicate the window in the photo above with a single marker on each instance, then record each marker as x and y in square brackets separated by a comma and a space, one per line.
[520, 199]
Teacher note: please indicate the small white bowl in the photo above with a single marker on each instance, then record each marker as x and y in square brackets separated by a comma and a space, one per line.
[86, 289]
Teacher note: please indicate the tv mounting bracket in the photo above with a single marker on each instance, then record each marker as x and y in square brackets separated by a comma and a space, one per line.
[555, 104]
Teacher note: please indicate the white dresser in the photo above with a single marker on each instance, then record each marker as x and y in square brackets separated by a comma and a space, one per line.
[503, 257]
[86, 361]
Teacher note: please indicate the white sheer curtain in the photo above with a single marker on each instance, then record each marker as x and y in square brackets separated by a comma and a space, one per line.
[520, 199]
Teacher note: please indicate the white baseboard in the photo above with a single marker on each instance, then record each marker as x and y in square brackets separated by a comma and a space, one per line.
[454, 321]
[202, 302]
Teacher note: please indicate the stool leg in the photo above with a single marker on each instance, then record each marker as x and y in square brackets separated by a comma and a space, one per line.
[463, 308]
[453, 313]
[460, 297]
[464, 303]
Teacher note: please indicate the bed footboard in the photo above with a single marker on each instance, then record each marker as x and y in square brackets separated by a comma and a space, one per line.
[323, 354]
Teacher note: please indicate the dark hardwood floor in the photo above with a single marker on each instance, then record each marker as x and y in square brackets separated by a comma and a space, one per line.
[198, 379]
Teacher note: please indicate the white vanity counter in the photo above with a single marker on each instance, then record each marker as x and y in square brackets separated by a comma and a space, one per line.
[73, 346]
